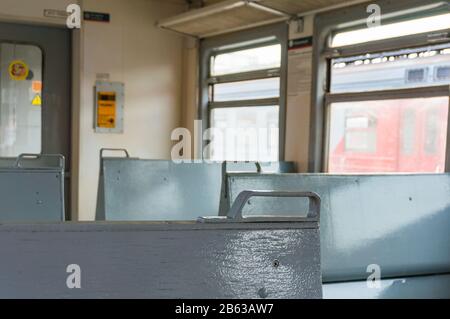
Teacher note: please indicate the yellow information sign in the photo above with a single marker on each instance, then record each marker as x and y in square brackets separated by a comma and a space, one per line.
[37, 101]
[106, 109]
[18, 70]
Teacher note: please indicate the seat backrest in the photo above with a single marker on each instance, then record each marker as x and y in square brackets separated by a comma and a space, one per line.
[399, 222]
[151, 190]
[32, 188]
[135, 189]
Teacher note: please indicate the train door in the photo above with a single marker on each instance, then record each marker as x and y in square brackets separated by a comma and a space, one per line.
[35, 73]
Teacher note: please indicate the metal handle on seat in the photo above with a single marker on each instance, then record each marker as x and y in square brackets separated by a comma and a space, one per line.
[235, 211]
[21, 157]
[127, 155]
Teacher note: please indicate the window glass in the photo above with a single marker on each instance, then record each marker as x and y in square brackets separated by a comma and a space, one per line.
[360, 133]
[392, 30]
[427, 66]
[245, 133]
[20, 99]
[247, 90]
[261, 58]
[397, 136]
[242, 126]
[416, 75]
[443, 73]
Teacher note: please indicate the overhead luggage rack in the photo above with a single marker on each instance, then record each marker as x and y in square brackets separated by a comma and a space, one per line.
[226, 15]
[234, 15]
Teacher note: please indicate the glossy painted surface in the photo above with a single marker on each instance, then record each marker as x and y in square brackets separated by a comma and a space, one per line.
[400, 222]
[33, 192]
[158, 190]
[135, 189]
[160, 260]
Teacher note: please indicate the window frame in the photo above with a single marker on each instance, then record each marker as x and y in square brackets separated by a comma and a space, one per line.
[328, 24]
[253, 38]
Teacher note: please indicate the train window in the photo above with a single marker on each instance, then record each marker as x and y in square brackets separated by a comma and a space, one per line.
[406, 68]
[261, 58]
[244, 92]
[408, 134]
[249, 133]
[20, 99]
[442, 73]
[408, 131]
[395, 76]
[392, 30]
[360, 134]
[401, 135]
[416, 75]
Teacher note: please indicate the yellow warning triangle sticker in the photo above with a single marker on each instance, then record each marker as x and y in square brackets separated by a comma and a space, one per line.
[37, 100]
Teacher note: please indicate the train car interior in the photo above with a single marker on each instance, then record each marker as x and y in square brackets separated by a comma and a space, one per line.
[225, 149]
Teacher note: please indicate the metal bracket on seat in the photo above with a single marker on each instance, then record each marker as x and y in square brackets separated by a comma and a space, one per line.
[21, 157]
[235, 212]
[127, 155]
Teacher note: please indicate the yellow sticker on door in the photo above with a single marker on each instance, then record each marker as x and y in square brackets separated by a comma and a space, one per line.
[18, 70]
[37, 101]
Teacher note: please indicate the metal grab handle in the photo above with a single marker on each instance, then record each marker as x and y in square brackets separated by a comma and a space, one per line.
[21, 157]
[235, 211]
[127, 155]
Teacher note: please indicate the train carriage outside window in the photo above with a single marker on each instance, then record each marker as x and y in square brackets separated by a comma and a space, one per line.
[387, 112]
